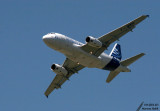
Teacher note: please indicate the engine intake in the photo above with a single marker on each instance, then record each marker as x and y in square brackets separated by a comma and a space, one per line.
[53, 67]
[58, 69]
[93, 42]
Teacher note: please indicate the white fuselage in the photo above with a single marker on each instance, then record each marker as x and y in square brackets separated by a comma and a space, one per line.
[72, 50]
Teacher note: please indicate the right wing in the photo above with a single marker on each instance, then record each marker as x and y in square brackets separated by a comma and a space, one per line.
[112, 36]
[71, 67]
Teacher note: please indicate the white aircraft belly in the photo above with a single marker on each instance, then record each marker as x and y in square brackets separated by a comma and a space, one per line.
[87, 59]
[76, 54]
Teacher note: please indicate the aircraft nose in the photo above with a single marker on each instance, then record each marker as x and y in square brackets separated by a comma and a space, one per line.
[46, 39]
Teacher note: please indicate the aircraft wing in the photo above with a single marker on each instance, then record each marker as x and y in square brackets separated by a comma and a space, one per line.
[71, 67]
[112, 36]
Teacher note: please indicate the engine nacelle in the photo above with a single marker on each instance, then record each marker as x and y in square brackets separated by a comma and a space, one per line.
[93, 42]
[58, 69]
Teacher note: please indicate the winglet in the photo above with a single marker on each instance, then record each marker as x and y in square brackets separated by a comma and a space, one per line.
[47, 96]
[147, 15]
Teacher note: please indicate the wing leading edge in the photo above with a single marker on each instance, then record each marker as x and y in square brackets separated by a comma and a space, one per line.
[112, 36]
[57, 82]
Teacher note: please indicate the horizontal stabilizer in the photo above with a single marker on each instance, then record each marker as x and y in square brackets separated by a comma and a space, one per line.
[112, 75]
[129, 61]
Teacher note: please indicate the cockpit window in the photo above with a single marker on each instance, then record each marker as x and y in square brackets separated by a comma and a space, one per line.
[52, 33]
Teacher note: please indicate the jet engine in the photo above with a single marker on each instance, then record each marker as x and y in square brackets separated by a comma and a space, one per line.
[58, 69]
[93, 42]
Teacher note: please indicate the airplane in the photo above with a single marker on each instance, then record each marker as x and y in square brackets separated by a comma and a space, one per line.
[91, 54]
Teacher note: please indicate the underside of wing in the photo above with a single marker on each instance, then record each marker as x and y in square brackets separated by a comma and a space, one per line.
[112, 36]
[112, 75]
[59, 79]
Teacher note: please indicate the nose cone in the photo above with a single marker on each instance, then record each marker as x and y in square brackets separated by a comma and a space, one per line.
[48, 39]
[45, 38]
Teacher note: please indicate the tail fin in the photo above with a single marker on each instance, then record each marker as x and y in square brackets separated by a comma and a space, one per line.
[116, 52]
[123, 67]
[130, 60]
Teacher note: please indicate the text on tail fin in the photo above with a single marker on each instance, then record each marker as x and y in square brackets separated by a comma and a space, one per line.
[116, 52]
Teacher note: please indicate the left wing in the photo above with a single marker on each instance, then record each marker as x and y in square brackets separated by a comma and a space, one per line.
[71, 67]
[112, 36]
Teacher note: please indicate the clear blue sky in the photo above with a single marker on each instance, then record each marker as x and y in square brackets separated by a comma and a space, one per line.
[25, 60]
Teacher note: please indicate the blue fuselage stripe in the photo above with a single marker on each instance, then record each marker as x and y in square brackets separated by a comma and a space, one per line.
[112, 65]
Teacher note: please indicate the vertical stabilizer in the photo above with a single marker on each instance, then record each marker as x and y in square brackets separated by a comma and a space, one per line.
[116, 52]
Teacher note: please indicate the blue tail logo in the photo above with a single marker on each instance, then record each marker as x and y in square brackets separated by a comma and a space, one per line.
[116, 52]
